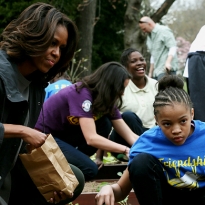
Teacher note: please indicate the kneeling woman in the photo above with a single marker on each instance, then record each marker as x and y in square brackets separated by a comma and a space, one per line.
[80, 117]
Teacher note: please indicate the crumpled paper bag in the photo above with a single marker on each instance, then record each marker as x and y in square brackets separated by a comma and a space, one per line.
[49, 169]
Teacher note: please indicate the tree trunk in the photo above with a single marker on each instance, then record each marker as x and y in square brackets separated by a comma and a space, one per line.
[132, 32]
[133, 36]
[85, 23]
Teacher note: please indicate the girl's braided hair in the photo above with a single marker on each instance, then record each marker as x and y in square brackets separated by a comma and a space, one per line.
[171, 91]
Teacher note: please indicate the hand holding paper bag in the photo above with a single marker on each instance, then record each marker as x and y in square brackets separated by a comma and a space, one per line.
[49, 169]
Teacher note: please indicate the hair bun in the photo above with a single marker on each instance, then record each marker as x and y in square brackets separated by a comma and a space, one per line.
[170, 81]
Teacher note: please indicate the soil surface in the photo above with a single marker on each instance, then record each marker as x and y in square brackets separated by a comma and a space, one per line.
[95, 186]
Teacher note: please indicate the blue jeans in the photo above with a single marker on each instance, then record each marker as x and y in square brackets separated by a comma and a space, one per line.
[151, 186]
[78, 153]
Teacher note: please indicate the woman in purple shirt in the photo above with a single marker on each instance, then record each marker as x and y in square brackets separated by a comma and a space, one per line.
[80, 117]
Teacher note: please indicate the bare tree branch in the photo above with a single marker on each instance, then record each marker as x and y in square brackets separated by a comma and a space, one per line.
[162, 10]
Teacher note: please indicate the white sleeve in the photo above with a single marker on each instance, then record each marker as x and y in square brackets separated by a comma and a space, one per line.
[152, 60]
[172, 51]
[186, 74]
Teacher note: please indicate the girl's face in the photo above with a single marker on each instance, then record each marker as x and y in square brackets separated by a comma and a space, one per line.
[46, 61]
[136, 65]
[175, 122]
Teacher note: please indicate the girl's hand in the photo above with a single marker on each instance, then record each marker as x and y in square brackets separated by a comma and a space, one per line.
[105, 196]
[59, 196]
[127, 152]
[99, 163]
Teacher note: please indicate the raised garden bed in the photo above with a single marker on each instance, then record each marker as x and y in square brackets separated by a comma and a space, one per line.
[88, 198]
[110, 171]
[108, 174]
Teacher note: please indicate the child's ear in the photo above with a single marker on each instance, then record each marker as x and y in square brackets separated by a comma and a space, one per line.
[192, 113]
[155, 120]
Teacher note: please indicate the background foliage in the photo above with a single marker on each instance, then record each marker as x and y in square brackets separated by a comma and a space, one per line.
[185, 20]
[108, 35]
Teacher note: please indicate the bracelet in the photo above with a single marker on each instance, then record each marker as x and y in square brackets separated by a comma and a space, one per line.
[125, 150]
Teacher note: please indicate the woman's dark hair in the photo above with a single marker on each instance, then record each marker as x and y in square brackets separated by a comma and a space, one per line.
[170, 91]
[124, 59]
[107, 86]
[31, 34]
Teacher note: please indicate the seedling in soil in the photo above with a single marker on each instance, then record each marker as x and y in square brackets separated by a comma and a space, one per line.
[101, 185]
[124, 202]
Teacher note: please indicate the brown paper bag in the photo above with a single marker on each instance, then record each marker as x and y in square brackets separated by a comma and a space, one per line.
[49, 169]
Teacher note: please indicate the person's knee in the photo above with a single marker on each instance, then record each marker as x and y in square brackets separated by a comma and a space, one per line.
[129, 116]
[81, 180]
[140, 164]
[133, 121]
[90, 172]
[81, 183]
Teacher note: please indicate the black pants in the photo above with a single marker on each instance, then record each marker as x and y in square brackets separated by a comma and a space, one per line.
[134, 123]
[196, 83]
[151, 186]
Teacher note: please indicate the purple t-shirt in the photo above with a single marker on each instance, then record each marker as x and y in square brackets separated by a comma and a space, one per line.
[63, 110]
